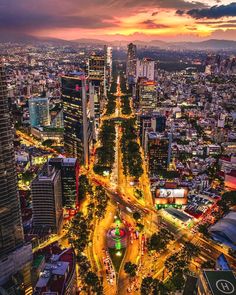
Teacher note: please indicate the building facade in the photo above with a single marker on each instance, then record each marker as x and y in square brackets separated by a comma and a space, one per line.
[108, 60]
[78, 126]
[147, 96]
[47, 199]
[131, 63]
[69, 168]
[15, 256]
[39, 111]
[145, 68]
[158, 151]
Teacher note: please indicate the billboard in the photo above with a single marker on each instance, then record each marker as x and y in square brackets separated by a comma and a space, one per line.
[176, 196]
[170, 193]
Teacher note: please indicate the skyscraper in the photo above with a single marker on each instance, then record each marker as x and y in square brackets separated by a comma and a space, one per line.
[77, 124]
[158, 151]
[145, 68]
[11, 232]
[69, 179]
[97, 71]
[131, 63]
[39, 111]
[147, 96]
[13, 254]
[108, 61]
[47, 199]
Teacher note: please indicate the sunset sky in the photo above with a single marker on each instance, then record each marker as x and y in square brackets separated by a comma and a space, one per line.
[170, 20]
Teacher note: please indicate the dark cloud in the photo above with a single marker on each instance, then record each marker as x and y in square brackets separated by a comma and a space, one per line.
[226, 26]
[155, 13]
[216, 22]
[38, 21]
[170, 4]
[180, 4]
[214, 12]
[150, 24]
[180, 12]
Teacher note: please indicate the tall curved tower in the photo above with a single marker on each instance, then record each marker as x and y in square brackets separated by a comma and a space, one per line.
[11, 231]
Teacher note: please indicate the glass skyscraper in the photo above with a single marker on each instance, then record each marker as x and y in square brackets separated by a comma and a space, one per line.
[39, 111]
[11, 232]
[77, 125]
[15, 256]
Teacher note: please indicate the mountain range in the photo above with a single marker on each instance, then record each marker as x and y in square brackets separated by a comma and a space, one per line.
[211, 44]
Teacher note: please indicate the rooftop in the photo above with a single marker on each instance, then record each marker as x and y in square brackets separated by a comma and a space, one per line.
[178, 214]
[220, 282]
[225, 229]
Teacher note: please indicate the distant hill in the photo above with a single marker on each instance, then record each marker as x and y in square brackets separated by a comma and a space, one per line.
[89, 41]
[211, 44]
[24, 38]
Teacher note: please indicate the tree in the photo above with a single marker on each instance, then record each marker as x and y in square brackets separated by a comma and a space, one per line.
[232, 252]
[27, 176]
[84, 264]
[203, 229]
[177, 279]
[130, 269]
[152, 286]
[84, 186]
[48, 142]
[175, 263]
[208, 264]
[190, 250]
[229, 198]
[92, 280]
[136, 215]
[156, 243]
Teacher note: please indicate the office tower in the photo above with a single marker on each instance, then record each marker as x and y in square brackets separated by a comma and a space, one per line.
[108, 61]
[97, 72]
[57, 119]
[158, 151]
[47, 199]
[14, 255]
[69, 168]
[147, 96]
[216, 282]
[39, 111]
[153, 120]
[131, 63]
[77, 124]
[145, 68]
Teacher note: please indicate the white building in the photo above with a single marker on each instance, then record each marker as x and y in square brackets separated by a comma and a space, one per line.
[145, 68]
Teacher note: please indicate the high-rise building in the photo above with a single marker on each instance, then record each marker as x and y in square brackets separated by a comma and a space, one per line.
[47, 199]
[216, 282]
[131, 63]
[99, 81]
[39, 111]
[145, 68]
[78, 126]
[97, 71]
[153, 120]
[14, 255]
[158, 151]
[57, 119]
[69, 168]
[108, 61]
[147, 96]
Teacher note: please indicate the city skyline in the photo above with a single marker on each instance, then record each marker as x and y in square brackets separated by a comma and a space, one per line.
[120, 20]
